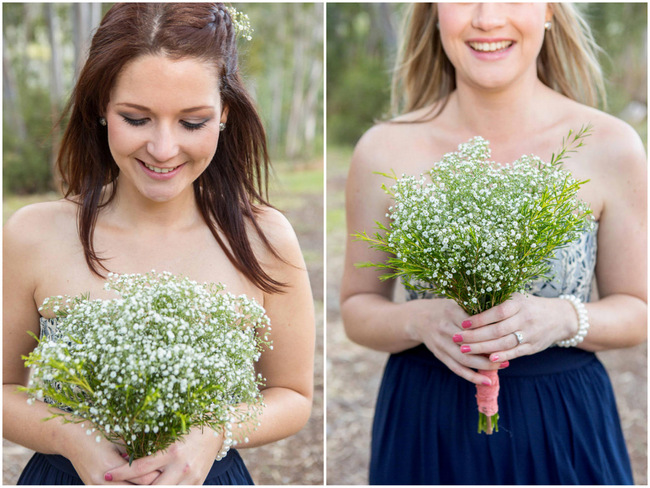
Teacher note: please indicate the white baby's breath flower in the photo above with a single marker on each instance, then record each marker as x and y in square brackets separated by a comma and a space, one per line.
[130, 362]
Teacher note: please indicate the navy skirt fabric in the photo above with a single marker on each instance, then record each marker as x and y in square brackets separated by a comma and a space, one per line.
[558, 424]
[48, 469]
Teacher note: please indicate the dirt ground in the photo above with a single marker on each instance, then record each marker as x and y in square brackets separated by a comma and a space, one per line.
[298, 460]
[354, 373]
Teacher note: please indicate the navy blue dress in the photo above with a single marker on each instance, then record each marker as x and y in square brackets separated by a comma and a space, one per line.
[49, 469]
[558, 418]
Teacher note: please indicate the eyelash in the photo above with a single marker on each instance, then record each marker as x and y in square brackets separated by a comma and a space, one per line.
[188, 125]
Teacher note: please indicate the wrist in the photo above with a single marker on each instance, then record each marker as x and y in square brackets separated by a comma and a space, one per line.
[569, 322]
[578, 316]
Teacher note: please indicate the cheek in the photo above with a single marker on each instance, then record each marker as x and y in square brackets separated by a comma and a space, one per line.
[205, 147]
[121, 141]
[452, 21]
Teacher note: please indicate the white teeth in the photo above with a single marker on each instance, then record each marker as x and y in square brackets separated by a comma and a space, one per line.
[159, 170]
[488, 47]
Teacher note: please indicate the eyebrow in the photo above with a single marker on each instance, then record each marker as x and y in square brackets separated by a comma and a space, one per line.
[146, 109]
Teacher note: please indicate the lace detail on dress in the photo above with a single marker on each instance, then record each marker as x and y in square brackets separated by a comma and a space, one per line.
[572, 271]
[50, 332]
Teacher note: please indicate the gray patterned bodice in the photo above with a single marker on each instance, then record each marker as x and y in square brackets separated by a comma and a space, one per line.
[48, 328]
[49, 332]
[572, 271]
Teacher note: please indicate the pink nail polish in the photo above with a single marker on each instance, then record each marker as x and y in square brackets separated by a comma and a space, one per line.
[457, 338]
[487, 383]
[466, 324]
[108, 477]
[465, 348]
[494, 358]
[504, 364]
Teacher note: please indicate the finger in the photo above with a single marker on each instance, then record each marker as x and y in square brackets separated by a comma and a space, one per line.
[146, 479]
[490, 347]
[469, 374]
[139, 468]
[174, 476]
[492, 315]
[523, 349]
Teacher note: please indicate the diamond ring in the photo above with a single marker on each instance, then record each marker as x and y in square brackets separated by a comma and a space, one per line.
[519, 336]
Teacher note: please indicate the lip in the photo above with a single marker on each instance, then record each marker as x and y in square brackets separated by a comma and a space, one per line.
[160, 176]
[490, 55]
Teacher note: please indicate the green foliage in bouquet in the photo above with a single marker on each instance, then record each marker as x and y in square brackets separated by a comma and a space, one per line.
[168, 355]
[476, 231]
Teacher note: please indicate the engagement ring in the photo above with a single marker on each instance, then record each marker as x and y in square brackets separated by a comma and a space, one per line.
[519, 336]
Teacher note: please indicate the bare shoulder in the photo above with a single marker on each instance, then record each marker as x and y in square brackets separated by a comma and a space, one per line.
[613, 144]
[280, 234]
[29, 225]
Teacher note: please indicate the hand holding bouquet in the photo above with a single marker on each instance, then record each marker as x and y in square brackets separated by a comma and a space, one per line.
[477, 232]
[168, 355]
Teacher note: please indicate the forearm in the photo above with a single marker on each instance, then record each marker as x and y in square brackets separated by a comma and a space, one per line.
[285, 412]
[616, 321]
[373, 321]
[24, 425]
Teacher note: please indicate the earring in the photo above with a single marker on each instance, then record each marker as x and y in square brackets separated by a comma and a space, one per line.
[222, 126]
[102, 121]
[548, 25]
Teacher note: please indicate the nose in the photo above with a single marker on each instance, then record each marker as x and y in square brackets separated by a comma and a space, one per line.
[488, 16]
[162, 144]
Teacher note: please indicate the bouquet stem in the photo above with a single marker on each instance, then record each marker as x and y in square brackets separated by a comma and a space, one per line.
[486, 399]
[488, 424]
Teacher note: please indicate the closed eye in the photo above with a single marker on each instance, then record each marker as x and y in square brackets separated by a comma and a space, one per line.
[190, 126]
[134, 122]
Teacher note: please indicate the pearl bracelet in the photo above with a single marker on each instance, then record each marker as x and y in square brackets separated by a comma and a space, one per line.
[583, 322]
[227, 443]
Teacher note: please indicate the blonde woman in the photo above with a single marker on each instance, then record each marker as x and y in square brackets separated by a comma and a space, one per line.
[521, 76]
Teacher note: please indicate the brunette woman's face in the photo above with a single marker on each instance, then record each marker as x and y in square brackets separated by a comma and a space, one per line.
[163, 124]
[491, 45]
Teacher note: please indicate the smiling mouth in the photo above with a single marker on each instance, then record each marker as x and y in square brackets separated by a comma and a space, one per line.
[159, 170]
[490, 47]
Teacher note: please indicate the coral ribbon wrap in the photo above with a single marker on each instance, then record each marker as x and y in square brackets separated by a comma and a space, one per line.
[486, 396]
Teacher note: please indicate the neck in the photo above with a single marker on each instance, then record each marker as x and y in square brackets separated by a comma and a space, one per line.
[130, 210]
[498, 114]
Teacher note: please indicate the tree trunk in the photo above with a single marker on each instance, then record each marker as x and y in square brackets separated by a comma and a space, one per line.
[56, 86]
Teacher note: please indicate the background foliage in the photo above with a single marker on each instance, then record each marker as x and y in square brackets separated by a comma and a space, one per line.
[362, 44]
[44, 45]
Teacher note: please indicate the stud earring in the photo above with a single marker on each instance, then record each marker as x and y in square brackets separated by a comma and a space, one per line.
[222, 126]
[102, 121]
[548, 25]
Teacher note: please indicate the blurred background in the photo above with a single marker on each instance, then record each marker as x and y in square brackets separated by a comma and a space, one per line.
[361, 48]
[44, 46]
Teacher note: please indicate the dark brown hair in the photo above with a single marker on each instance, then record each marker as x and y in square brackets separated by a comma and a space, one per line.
[235, 180]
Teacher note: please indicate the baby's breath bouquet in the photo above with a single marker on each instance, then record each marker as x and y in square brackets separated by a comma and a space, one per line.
[477, 232]
[142, 369]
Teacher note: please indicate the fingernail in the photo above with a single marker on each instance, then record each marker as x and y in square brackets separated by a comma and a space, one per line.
[108, 477]
[486, 383]
[125, 455]
[465, 348]
[494, 358]
[457, 338]
[504, 364]
[466, 324]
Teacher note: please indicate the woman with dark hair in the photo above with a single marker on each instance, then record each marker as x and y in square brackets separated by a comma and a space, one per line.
[164, 162]
[520, 75]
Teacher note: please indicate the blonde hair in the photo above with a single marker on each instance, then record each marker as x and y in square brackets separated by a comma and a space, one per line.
[566, 63]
